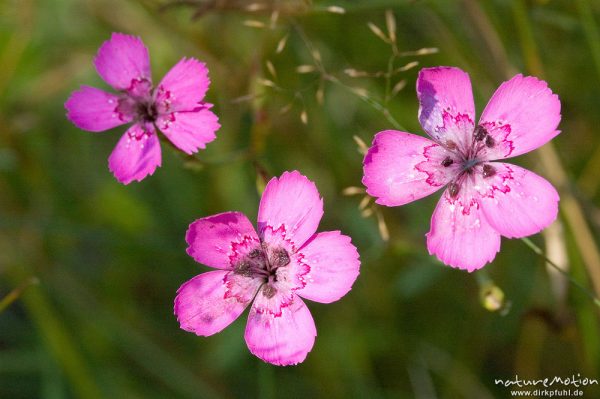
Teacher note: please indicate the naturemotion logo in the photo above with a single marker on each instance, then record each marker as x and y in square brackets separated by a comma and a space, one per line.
[574, 381]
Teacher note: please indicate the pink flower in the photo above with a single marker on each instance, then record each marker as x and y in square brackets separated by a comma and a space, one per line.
[483, 199]
[175, 107]
[284, 261]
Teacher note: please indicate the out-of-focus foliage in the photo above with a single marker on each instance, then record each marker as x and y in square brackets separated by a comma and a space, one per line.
[289, 88]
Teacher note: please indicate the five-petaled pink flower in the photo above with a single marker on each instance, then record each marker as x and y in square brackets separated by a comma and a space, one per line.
[284, 261]
[483, 199]
[175, 107]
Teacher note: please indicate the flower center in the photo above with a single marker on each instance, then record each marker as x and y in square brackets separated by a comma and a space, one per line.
[146, 111]
[262, 262]
[138, 100]
[469, 158]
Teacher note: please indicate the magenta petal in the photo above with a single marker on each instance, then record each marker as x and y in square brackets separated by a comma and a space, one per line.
[189, 131]
[136, 155]
[95, 110]
[290, 211]
[221, 240]
[460, 235]
[402, 167]
[183, 87]
[332, 263]
[517, 202]
[522, 115]
[211, 301]
[280, 329]
[446, 107]
[123, 59]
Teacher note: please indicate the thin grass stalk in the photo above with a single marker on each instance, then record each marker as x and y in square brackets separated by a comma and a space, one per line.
[551, 161]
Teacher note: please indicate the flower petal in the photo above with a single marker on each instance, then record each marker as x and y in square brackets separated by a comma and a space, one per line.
[136, 155]
[183, 88]
[446, 107]
[460, 235]
[189, 131]
[290, 211]
[328, 264]
[211, 301]
[522, 115]
[280, 329]
[517, 202]
[402, 167]
[123, 60]
[220, 241]
[95, 110]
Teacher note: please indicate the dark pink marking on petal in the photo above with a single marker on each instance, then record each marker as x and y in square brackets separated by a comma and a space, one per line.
[281, 338]
[221, 240]
[278, 237]
[140, 89]
[183, 87]
[331, 265]
[274, 305]
[241, 288]
[402, 167]
[241, 249]
[517, 202]
[122, 59]
[503, 147]
[498, 183]
[460, 235]
[455, 131]
[163, 100]
[290, 211]
[211, 301]
[294, 275]
[437, 166]
[443, 92]
[190, 131]
[529, 107]
[96, 110]
[136, 155]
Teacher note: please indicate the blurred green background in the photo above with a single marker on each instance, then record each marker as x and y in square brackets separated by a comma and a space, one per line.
[93, 266]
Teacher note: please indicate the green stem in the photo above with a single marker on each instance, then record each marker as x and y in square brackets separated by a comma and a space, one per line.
[16, 293]
[372, 102]
[326, 76]
[388, 77]
[576, 283]
[483, 278]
